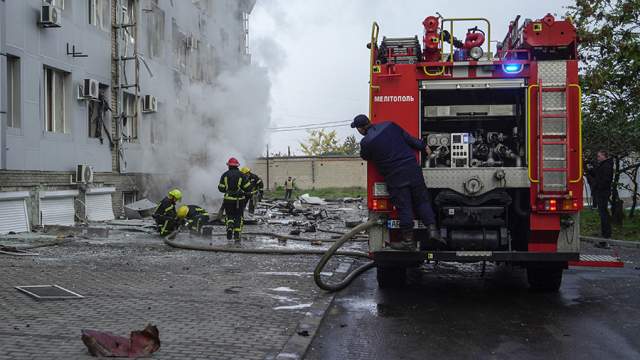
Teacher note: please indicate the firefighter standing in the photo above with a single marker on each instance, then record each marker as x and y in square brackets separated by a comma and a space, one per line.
[392, 150]
[257, 187]
[193, 216]
[289, 185]
[165, 213]
[600, 179]
[234, 185]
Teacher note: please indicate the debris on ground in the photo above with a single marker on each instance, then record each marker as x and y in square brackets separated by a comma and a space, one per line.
[140, 343]
[139, 209]
[311, 200]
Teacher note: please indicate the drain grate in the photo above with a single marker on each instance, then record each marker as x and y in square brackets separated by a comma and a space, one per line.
[48, 292]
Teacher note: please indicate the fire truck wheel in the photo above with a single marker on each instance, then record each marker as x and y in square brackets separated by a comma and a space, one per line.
[391, 277]
[544, 279]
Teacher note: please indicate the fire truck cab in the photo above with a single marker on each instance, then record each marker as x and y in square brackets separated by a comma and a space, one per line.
[503, 124]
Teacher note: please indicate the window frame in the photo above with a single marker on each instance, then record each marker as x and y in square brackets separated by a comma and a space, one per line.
[14, 95]
[130, 131]
[95, 6]
[51, 109]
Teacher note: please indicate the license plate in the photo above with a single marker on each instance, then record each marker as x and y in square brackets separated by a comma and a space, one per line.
[395, 224]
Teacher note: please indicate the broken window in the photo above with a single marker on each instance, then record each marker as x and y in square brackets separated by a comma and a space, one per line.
[99, 14]
[128, 18]
[158, 126]
[97, 111]
[155, 30]
[130, 119]
[245, 30]
[179, 40]
[55, 100]
[129, 197]
[13, 92]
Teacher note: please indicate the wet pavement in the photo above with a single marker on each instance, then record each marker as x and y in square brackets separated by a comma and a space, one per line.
[452, 312]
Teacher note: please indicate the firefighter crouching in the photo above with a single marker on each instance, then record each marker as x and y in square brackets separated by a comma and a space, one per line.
[256, 191]
[193, 217]
[165, 213]
[235, 186]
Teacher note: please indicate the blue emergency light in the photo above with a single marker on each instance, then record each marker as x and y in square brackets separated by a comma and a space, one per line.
[512, 68]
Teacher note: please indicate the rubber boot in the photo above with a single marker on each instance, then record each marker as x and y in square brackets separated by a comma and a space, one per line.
[408, 242]
[435, 240]
[236, 236]
[229, 234]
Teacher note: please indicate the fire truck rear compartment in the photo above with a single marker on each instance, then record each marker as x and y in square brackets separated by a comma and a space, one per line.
[474, 127]
[477, 138]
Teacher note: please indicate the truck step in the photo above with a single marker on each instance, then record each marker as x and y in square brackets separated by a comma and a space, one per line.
[598, 261]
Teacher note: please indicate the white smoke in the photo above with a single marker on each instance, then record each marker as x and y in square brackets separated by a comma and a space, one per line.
[205, 124]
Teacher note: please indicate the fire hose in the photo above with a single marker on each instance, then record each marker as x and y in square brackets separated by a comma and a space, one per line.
[326, 255]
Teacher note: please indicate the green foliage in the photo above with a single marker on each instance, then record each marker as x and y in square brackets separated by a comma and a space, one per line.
[323, 143]
[609, 49]
[590, 226]
[609, 33]
[325, 193]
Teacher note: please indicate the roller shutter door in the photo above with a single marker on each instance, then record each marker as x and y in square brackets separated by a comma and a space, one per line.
[13, 213]
[98, 204]
[57, 207]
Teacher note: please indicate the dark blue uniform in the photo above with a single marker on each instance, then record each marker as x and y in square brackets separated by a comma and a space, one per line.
[392, 150]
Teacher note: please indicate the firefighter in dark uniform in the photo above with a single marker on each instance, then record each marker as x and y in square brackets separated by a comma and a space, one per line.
[193, 217]
[393, 152]
[165, 213]
[600, 179]
[235, 186]
[257, 187]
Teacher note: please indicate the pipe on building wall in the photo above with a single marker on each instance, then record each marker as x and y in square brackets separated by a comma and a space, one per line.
[3, 82]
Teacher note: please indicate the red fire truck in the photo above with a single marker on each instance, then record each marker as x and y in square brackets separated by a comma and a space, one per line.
[503, 123]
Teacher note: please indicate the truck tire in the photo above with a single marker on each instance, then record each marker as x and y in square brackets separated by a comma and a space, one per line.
[544, 279]
[391, 277]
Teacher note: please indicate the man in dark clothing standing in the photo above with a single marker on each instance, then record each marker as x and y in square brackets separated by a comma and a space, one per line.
[234, 185]
[393, 151]
[600, 179]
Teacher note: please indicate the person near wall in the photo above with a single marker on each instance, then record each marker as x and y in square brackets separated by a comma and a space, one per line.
[165, 213]
[600, 178]
[393, 152]
[235, 186]
[289, 185]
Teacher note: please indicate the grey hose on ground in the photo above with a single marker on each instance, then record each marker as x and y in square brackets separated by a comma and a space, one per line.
[333, 250]
[226, 249]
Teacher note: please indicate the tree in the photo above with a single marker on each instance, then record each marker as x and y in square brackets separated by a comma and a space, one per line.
[321, 142]
[351, 146]
[609, 32]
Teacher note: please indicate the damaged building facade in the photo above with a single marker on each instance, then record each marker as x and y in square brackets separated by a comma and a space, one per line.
[81, 99]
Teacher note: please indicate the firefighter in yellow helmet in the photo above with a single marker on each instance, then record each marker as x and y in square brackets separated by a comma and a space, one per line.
[193, 217]
[257, 187]
[166, 212]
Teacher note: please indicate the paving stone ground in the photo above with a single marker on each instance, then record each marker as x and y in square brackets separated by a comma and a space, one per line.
[205, 305]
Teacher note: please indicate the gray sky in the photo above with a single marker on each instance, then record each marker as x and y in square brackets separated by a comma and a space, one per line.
[317, 60]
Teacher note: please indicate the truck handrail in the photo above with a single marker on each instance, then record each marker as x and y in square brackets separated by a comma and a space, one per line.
[580, 160]
[531, 179]
[375, 30]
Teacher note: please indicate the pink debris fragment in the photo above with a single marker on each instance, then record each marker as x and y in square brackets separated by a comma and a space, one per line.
[141, 343]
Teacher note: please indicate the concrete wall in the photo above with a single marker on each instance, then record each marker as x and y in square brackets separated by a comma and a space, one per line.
[313, 172]
[31, 147]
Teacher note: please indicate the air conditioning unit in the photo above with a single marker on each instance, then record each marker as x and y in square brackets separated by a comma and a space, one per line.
[84, 174]
[192, 42]
[90, 89]
[149, 104]
[50, 16]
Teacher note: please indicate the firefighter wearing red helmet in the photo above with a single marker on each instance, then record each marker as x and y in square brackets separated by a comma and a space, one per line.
[235, 187]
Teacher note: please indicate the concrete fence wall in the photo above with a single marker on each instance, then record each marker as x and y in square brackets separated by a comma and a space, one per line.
[313, 172]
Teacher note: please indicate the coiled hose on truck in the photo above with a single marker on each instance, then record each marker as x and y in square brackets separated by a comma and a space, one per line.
[326, 256]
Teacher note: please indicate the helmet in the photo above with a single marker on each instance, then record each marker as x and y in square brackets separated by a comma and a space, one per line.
[233, 162]
[183, 211]
[177, 194]
[245, 170]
